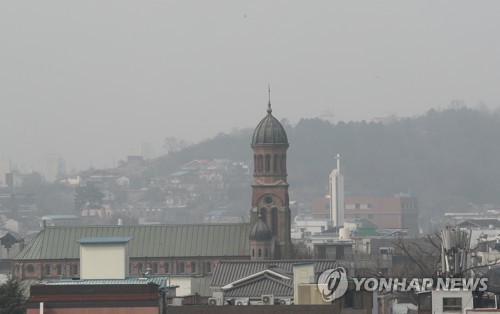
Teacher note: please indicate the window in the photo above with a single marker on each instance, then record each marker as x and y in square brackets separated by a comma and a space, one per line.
[275, 163]
[180, 268]
[30, 269]
[274, 220]
[47, 270]
[339, 252]
[260, 163]
[353, 299]
[139, 268]
[268, 163]
[154, 268]
[452, 304]
[59, 270]
[166, 267]
[74, 269]
[267, 253]
[208, 267]
[193, 267]
[260, 253]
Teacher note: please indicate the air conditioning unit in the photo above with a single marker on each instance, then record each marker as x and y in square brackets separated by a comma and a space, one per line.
[267, 299]
[286, 302]
[386, 250]
[242, 301]
[214, 301]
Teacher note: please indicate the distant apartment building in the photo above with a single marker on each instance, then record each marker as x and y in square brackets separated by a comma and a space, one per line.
[53, 166]
[385, 212]
[5, 170]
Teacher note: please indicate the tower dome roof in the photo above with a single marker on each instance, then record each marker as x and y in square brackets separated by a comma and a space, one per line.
[269, 130]
[260, 231]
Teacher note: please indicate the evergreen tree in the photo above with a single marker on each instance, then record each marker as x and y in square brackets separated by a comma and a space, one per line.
[11, 298]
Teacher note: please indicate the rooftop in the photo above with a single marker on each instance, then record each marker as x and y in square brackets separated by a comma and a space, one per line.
[104, 240]
[61, 242]
[159, 280]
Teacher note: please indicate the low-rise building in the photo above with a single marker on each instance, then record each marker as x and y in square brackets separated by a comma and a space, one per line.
[166, 249]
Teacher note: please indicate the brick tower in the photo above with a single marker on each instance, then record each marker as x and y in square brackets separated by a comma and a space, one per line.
[270, 187]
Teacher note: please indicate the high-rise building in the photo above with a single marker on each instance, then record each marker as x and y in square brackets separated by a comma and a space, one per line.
[5, 168]
[337, 196]
[53, 166]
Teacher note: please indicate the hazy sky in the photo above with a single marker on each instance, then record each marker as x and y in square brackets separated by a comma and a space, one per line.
[92, 79]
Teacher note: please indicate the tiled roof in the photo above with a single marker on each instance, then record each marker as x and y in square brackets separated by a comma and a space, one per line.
[59, 217]
[148, 240]
[104, 240]
[230, 271]
[159, 280]
[480, 223]
[261, 286]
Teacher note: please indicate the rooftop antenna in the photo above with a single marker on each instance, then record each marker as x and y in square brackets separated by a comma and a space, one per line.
[269, 110]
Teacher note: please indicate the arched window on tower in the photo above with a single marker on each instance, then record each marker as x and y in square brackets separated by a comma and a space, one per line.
[260, 252]
[260, 163]
[283, 163]
[268, 163]
[254, 163]
[276, 163]
[274, 220]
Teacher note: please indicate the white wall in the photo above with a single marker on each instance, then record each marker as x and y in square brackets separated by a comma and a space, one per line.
[437, 300]
[302, 274]
[103, 261]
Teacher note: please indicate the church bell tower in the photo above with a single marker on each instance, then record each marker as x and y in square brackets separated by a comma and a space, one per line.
[270, 203]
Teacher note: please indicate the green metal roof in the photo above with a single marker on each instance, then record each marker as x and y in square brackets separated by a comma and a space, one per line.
[60, 242]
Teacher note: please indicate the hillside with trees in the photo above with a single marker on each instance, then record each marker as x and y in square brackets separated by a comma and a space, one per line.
[447, 158]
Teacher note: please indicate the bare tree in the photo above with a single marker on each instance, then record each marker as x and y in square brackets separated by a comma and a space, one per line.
[172, 144]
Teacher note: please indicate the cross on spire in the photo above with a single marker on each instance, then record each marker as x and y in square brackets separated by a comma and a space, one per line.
[269, 110]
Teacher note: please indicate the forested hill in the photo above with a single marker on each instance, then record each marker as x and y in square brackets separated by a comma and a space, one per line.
[447, 158]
